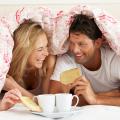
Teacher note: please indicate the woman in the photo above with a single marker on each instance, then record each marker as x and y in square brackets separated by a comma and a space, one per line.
[29, 53]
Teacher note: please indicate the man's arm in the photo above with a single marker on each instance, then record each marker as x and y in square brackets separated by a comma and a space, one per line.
[109, 98]
[83, 87]
[57, 87]
[112, 93]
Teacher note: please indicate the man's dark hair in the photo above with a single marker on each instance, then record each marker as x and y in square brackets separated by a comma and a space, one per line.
[85, 25]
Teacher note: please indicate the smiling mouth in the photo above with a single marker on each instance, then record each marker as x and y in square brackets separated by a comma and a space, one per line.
[79, 55]
[40, 60]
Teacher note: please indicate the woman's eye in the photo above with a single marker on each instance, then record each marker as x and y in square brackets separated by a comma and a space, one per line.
[39, 49]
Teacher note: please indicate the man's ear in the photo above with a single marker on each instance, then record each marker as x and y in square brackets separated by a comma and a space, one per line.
[98, 42]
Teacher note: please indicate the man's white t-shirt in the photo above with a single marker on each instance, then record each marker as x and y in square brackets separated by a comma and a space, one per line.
[106, 78]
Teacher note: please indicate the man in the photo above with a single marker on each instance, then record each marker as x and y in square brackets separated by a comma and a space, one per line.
[100, 67]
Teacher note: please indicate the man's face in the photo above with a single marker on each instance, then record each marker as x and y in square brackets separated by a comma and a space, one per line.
[82, 48]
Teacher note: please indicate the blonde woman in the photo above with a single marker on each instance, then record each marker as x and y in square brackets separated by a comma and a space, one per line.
[29, 53]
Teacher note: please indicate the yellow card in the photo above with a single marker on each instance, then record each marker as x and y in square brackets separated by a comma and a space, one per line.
[69, 76]
[30, 104]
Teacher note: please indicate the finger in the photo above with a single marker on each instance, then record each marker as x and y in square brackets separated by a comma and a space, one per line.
[79, 92]
[16, 92]
[12, 96]
[78, 79]
[8, 100]
[84, 78]
[80, 88]
[79, 83]
[14, 101]
[70, 85]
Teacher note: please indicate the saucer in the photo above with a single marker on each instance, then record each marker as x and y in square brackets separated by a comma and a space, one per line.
[57, 115]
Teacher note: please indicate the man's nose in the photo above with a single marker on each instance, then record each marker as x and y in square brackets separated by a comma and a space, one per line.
[76, 49]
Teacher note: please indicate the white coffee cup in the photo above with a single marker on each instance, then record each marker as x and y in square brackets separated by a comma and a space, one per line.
[47, 102]
[64, 101]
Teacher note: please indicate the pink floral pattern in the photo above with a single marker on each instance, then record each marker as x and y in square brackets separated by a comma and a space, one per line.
[57, 29]
[6, 46]
[109, 26]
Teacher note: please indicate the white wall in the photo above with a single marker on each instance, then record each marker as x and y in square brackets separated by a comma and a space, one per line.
[111, 6]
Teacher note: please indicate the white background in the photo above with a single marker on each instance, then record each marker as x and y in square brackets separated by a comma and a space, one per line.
[56, 1]
[111, 6]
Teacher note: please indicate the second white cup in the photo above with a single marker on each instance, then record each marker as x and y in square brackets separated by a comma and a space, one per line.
[64, 101]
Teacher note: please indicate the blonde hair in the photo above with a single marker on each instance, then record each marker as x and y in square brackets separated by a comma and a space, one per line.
[24, 42]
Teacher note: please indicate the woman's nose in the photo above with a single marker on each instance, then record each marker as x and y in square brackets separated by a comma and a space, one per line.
[45, 52]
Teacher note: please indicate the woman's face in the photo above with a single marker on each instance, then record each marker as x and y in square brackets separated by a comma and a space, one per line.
[40, 52]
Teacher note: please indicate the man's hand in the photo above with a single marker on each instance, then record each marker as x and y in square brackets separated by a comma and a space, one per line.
[83, 87]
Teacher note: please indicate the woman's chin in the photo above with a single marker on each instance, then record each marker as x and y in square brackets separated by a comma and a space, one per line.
[39, 66]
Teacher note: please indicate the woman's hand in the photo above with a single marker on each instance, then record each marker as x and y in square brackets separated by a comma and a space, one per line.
[10, 99]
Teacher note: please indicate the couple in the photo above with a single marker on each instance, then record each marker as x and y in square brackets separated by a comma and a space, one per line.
[99, 83]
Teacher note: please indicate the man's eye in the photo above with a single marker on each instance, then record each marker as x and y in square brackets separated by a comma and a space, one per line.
[71, 43]
[82, 44]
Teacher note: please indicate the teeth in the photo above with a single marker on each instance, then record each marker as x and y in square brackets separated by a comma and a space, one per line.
[78, 55]
[40, 60]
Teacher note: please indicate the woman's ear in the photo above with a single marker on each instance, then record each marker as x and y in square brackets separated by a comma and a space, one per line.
[98, 42]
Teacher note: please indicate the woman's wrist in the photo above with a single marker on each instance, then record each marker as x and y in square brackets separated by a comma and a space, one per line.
[2, 108]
